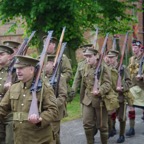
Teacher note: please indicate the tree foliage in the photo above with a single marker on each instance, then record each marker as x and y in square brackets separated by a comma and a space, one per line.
[77, 15]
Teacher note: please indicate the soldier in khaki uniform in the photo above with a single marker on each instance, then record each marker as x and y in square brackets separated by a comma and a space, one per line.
[66, 69]
[138, 84]
[5, 56]
[78, 78]
[126, 84]
[60, 97]
[93, 103]
[32, 129]
[9, 119]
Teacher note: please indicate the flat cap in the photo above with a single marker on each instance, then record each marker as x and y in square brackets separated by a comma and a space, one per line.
[12, 44]
[90, 51]
[6, 49]
[112, 53]
[24, 61]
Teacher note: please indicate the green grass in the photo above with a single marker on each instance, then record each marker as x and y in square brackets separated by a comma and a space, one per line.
[73, 109]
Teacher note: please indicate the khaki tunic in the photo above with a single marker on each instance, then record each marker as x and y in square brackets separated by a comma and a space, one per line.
[138, 85]
[105, 84]
[18, 100]
[66, 69]
[78, 78]
[3, 78]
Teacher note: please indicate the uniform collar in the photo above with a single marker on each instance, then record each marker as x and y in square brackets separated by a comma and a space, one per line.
[4, 67]
[27, 84]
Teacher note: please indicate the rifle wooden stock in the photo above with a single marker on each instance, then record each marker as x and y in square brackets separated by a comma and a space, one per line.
[55, 70]
[59, 46]
[34, 104]
[21, 51]
[96, 38]
[120, 68]
[97, 72]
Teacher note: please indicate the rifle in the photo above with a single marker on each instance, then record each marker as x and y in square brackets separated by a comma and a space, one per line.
[97, 71]
[21, 51]
[96, 38]
[36, 85]
[120, 67]
[59, 46]
[53, 80]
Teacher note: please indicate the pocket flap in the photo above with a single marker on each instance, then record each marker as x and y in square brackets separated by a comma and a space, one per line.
[14, 95]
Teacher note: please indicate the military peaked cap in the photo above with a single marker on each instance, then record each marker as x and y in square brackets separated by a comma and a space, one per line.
[6, 49]
[53, 39]
[12, 44]
[24, 61]
[112, 53]
[90, 51]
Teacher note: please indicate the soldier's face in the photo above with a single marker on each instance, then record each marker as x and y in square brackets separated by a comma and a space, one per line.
[112, 60]
[4, 58]
[51, 48]
[25, 73]
[91, 59]
[136, 50]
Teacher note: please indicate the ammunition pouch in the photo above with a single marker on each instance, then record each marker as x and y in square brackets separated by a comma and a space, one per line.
[111, 101]
[20, 116]
[129, 98]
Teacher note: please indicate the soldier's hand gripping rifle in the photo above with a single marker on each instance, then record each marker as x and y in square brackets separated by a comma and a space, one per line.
[21, 51]
[36, 84]
[98, 68]
[120, 67]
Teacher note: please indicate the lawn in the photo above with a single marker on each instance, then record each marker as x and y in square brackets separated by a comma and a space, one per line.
[73, 109]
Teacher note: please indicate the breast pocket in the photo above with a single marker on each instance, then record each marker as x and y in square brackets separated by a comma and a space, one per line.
[14, 97]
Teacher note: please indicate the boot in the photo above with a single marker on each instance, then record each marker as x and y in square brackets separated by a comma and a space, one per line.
[121, 139]
[89, 136]
[112, 133]
[131, 132]
[104, 137]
